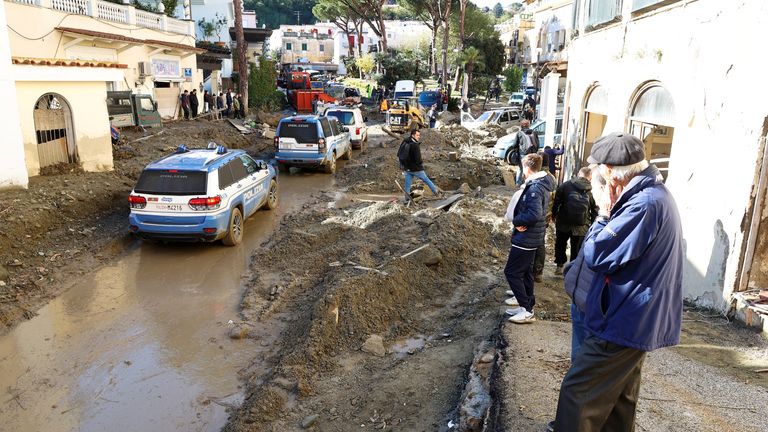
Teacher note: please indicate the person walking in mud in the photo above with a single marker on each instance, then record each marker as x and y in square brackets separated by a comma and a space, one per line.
[635, 303]
[409, 155]
[527, 211]
[574, 210]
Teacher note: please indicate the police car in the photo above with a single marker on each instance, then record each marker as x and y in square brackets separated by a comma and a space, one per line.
[311, 141]
[201, 195]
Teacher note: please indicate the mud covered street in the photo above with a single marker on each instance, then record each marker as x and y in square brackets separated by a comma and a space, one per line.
[343, 309]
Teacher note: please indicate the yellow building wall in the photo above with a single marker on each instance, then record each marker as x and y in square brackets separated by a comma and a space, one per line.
[89, 117]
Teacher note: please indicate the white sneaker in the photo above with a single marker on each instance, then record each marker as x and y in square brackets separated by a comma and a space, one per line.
[523, 317]
[515, 310]
[512, 301]
[509, 293]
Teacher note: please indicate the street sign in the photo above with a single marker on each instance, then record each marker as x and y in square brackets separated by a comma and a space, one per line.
[187, 74]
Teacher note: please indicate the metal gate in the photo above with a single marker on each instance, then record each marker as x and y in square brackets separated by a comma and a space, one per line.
[53, 127]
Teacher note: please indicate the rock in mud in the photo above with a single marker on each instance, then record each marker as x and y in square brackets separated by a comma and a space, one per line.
[486, 358]
[430, 256]
[309, 421]
[374, 345]
[496, 253]
[464, 188]
[238, 331]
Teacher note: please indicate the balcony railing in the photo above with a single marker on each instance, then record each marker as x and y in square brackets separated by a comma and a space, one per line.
[119, 13]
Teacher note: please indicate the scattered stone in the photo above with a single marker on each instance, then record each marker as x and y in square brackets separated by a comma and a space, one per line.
[487, 358]
[238, 331]
[16, 263]
[430, 256]
[4, 274]
[284, 383]
[309, 421]
[464, 188]
[496, 253]
[453, 156]
[374, 345]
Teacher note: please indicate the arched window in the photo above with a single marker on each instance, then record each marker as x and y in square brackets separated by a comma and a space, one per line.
[652, 119]
[595, 117]
[54, 131]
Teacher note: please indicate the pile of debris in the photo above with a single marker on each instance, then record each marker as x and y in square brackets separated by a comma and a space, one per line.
[246, 127]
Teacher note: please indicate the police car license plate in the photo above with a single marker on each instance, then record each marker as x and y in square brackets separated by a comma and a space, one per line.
[170, 207]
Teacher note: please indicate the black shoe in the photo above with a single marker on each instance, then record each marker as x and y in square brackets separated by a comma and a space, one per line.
[551, 426]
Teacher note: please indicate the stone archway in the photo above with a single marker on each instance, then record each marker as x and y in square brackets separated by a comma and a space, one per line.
[54, 130]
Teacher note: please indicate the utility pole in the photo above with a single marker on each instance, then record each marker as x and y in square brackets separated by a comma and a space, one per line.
[242, 59]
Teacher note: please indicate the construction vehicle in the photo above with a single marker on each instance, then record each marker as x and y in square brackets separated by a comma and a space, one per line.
[129, 109]
[301, 91]
[400, 112]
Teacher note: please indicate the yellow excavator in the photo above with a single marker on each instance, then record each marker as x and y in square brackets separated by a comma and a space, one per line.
[401, 112]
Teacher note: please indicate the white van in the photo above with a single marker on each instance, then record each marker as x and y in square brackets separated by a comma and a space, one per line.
[353, 119]
[405, 89]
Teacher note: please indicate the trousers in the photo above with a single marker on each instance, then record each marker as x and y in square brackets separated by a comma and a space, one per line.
[600, 390]
[519, 274]
[421, 175]
[561, 243]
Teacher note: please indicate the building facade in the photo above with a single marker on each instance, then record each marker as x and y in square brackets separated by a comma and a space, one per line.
[78, 50]
[663, 71]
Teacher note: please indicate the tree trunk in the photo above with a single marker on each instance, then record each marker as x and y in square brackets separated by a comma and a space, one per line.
[383, 32]
[241, 51]
[432, 49]
[351, 48]
[359, 28]
[463, 6]
[446, 20]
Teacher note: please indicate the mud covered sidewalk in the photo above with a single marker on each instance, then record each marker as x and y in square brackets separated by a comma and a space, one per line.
[68, 223]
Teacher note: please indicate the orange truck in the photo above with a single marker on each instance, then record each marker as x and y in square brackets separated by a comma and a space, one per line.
[301, 92]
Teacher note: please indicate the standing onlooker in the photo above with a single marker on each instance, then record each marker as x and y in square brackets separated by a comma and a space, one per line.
[445, 100]
[236, 107]
[635, 304]
[527, 212]
[241, 109]
[525, 143]
[541, 251]
[409, 155]
[185, 104]
[193, 103]
[432, 116]
[228, 96]
[573, 209]
[206, 100]
[552, 154]
[220, 101]
[529, 102]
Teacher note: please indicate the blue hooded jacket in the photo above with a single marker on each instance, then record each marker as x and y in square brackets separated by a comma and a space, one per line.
[637, 299]
[531, 211]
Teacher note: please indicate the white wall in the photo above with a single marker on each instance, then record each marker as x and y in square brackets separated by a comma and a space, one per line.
[705, 53]
[13, 170]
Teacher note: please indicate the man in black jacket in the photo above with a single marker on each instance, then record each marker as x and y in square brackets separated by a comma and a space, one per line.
[409, 155]
[528, 213]
[574, 210]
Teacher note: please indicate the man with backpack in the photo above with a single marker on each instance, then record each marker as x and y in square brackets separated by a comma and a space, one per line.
[526, 143]
[409, 155]
[574, 210]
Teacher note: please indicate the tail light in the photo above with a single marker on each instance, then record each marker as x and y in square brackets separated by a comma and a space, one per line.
[207, 203]
[277, 143]
[321, 143]
[357, 131]
[137, 202]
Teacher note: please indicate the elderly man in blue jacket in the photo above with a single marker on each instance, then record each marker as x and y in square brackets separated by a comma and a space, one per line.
[635, 301]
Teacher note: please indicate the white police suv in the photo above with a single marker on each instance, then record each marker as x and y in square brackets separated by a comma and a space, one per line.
[201, 195]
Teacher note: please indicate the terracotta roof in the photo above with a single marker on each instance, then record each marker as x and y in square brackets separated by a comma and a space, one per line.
[101, 35]
[64, 62]
[174, 45]
[118, 37]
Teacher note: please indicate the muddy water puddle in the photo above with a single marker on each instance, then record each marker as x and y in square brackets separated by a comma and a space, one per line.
[141, 344]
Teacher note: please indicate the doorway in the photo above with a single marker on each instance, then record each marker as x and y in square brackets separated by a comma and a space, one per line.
[54, 131]
[652, 119]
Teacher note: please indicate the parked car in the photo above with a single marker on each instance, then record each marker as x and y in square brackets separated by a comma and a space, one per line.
[311, 141]
[201, 195]
[503, 145]
[516, 99]
[505, 117]
[353, 119]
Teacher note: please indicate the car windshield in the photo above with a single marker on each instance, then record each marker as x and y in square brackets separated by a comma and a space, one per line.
[345, 117]
[485, 116]
[302, 132]
[172, 182]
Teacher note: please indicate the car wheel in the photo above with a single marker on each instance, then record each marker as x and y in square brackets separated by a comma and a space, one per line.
[508, 157]
[330, 167]
[235, 231]
[272, 197]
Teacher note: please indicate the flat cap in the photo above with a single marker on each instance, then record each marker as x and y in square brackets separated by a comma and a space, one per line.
[618, 149]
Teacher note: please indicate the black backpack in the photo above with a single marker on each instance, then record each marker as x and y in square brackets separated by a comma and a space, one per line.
[577, 207]
[404, 153]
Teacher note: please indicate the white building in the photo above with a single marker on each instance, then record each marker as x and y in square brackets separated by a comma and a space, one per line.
[13, 172]
[663, 71]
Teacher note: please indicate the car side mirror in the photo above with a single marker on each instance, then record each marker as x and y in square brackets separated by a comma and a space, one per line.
[345, 129]
[262, 165]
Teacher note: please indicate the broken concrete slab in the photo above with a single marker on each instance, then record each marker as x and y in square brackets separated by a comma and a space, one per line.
[374, 345]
